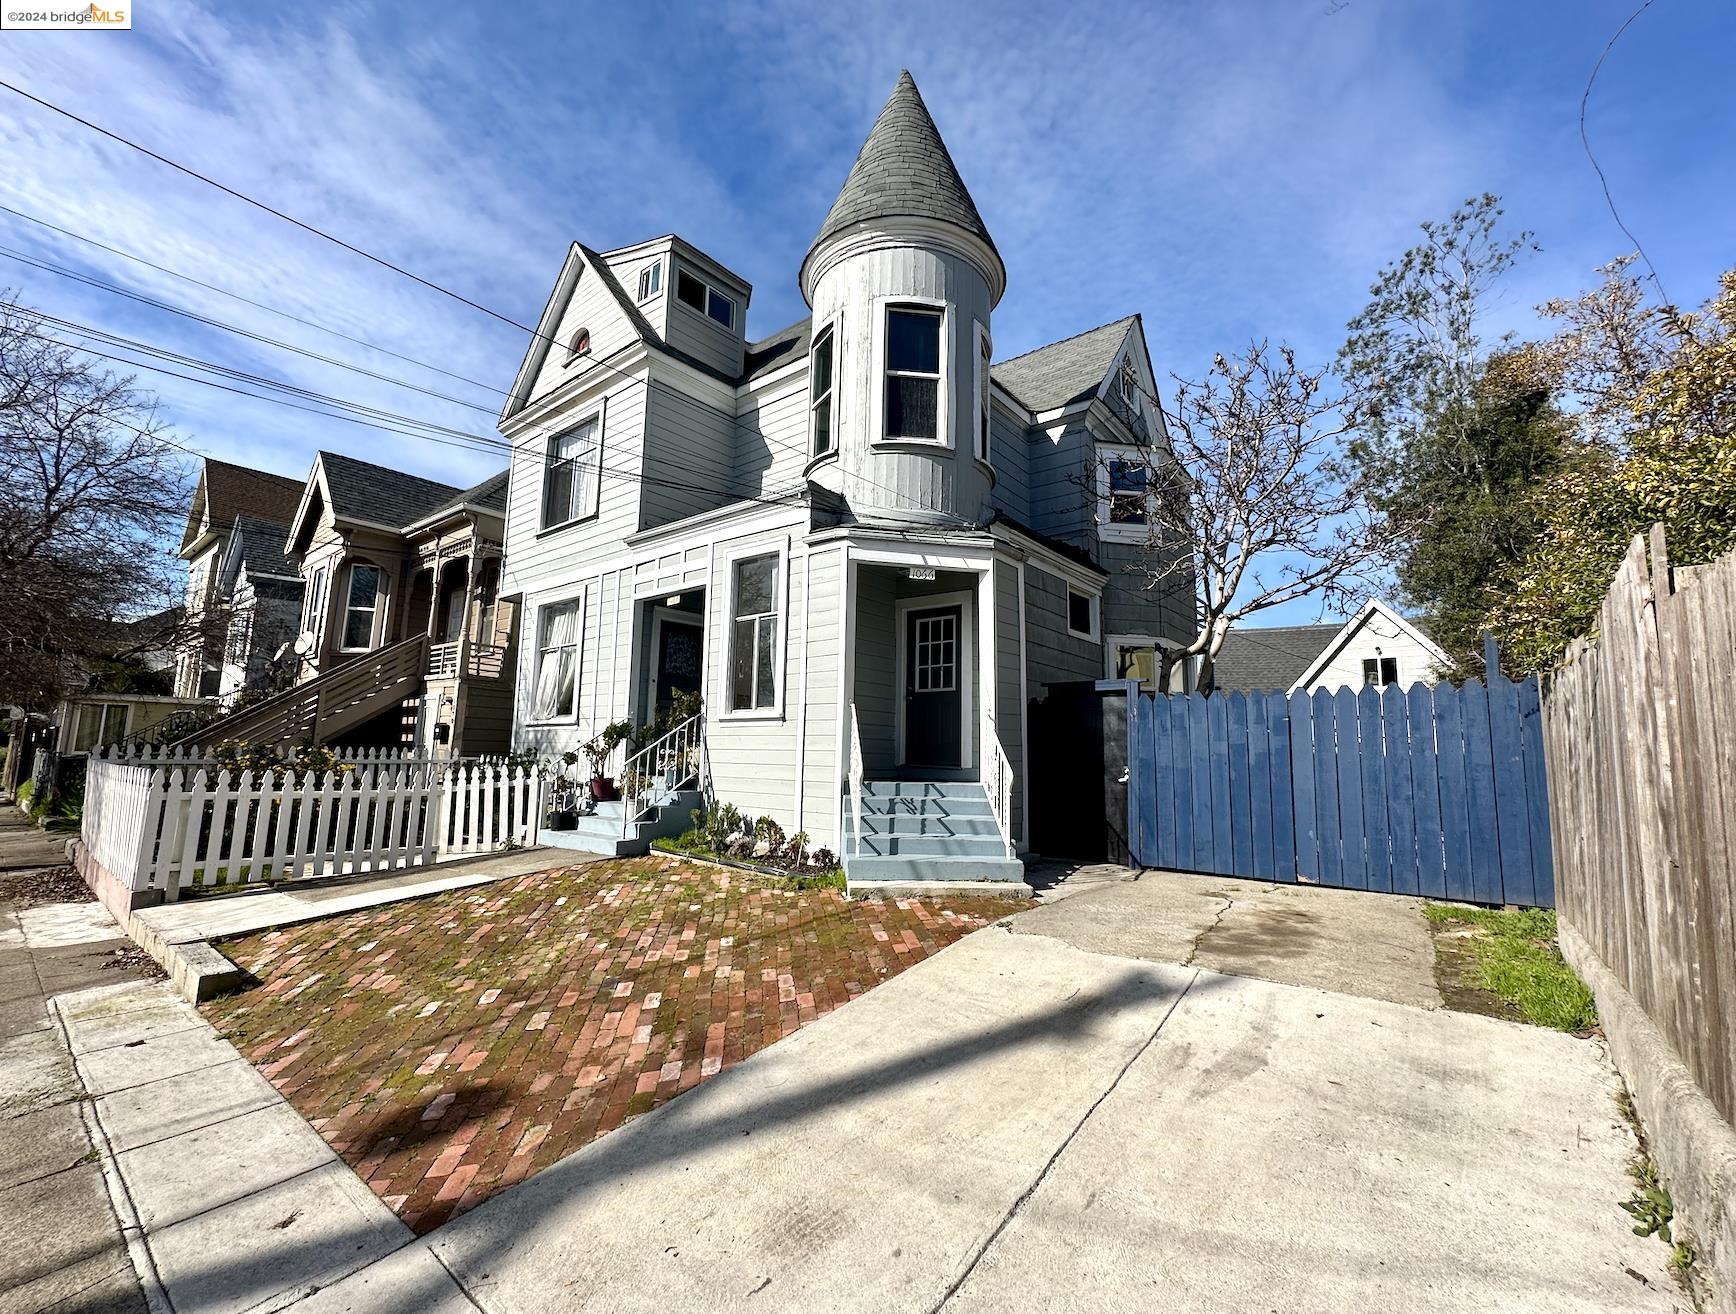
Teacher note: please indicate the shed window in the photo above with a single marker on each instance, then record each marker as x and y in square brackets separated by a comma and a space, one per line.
[707, 300]
[753, 668]
[99, 724]
[570, 478]
[361, 606]
[913, 373]
[820, 391]
[1380, 671]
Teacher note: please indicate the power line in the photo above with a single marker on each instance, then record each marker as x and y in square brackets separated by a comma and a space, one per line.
[734, 420]
[246, 301]
[1585, 141]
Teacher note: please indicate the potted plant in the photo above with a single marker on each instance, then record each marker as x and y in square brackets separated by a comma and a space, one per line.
[599, 750]
[563, 801]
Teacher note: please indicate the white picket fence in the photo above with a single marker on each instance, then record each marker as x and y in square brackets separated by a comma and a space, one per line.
[169, 826]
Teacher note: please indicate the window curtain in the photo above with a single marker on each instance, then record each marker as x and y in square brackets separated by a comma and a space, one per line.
[557, 667]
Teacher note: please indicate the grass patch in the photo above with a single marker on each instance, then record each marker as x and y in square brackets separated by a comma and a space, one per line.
[1517, 960]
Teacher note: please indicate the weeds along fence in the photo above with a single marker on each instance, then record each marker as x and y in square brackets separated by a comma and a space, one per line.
[1641, 732]
[171, 825]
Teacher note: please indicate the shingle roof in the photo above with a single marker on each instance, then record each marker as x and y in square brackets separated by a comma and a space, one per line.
[1266, 659]
[262, 546]
[490, 493]
[904, 169]
[779, 349]
[232, 490]
[1062, 372]
[360, 491]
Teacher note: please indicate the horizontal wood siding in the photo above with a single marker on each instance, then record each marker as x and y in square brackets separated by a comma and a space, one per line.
[591, 307]
[1131, 607]
[876, 668]
[1055, 655]
[690, 463]
[1010, 455]
[1059, 474]
[770, 440]
[825, 611]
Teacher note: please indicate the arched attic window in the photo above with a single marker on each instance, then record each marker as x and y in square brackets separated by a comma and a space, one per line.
[579, 345]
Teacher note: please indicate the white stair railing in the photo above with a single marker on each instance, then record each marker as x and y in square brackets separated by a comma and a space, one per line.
[852, 786]
[997, 771]
[662, 767]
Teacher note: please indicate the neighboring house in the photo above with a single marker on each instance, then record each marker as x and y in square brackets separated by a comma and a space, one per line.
[261, 591]
[864, 545]
[95, 720]
[1377, 646]
[401, 578]
[223, 494]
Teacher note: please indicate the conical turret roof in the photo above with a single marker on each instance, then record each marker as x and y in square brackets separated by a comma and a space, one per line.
[904, 170]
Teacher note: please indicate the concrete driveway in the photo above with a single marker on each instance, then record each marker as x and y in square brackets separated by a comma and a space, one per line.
[1066, 1113]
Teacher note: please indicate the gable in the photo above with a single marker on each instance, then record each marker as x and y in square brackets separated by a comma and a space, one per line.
[587, 296]
[1375, 631]
[1071, 370]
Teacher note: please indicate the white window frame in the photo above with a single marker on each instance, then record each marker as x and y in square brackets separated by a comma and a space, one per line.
[315, 597]
[381, 594]
[943, 412]
[831, 394]
[579, 344]
[577, 603]
[711, 290]
[1379, 662]
[1094, 602]
[102, 709]
[651, 280]
[544, 525]
[1120, 531]
[781, 595]
[1185, 669]
[982, 400]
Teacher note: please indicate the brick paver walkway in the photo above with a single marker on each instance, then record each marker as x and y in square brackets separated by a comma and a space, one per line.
[451, 1046]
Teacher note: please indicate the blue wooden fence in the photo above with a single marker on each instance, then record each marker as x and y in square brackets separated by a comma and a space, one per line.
[1430, 790]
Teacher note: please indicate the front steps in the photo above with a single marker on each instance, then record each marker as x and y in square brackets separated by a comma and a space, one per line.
[928, 831]
[601, 831]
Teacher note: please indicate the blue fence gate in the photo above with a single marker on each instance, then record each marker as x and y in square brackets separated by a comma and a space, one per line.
[1430, 790]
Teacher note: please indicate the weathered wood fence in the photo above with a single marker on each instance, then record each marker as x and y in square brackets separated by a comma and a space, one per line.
[1427, 790]
[1641, 737]
[171, 825]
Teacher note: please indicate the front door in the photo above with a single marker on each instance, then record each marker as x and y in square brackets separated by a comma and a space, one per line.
[678, 660]
[933, 701]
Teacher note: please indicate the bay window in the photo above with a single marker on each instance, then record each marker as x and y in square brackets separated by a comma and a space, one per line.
[557, 663]
[753, 639]
[912, 407]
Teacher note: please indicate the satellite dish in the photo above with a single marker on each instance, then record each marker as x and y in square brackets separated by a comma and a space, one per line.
[304, 643]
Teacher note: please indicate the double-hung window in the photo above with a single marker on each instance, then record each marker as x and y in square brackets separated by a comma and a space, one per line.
[1128, 492]
[557, 663]
[315, 598]
[707, 300]
[571, 474]
[821, 393]
[650, 280]
[912, 408]
[753, 640]
[361, 607]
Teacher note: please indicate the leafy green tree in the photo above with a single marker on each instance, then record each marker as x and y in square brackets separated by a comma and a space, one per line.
[1665, 453]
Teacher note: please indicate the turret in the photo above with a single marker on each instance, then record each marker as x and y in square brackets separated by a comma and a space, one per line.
[902, 280]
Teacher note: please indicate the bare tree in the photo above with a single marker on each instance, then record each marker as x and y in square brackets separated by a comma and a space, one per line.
[90, 486]
[1256, 508]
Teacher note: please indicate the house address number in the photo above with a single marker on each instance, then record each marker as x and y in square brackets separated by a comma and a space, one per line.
[922, 572]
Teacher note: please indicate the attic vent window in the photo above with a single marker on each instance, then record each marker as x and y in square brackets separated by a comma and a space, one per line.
[1127, 380]
[707, 300]
[579, 346]
[650, 280]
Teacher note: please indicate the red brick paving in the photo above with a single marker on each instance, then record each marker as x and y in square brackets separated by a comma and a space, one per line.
[449, 1047]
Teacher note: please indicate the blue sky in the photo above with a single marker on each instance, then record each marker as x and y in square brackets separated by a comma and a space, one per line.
[1229, 170]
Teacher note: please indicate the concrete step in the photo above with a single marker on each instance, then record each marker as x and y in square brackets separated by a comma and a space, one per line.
[866, 867]
[929, 823]
[942, 846]
[612, 845]
[926, 807]
[920, 789]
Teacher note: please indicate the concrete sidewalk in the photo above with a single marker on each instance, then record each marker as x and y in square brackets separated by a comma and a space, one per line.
[1024, 1123]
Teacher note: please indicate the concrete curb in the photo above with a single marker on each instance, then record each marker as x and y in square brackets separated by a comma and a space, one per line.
[1695, 1149]
[937, 889]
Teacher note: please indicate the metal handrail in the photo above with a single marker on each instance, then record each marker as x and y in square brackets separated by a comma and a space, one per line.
[998, 782]
[665, 763]
[853, 785]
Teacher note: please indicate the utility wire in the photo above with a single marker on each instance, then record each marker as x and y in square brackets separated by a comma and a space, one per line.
[1585, 141]
[734, 420]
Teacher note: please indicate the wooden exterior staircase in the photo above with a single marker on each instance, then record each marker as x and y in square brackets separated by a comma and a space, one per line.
[327, 706]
